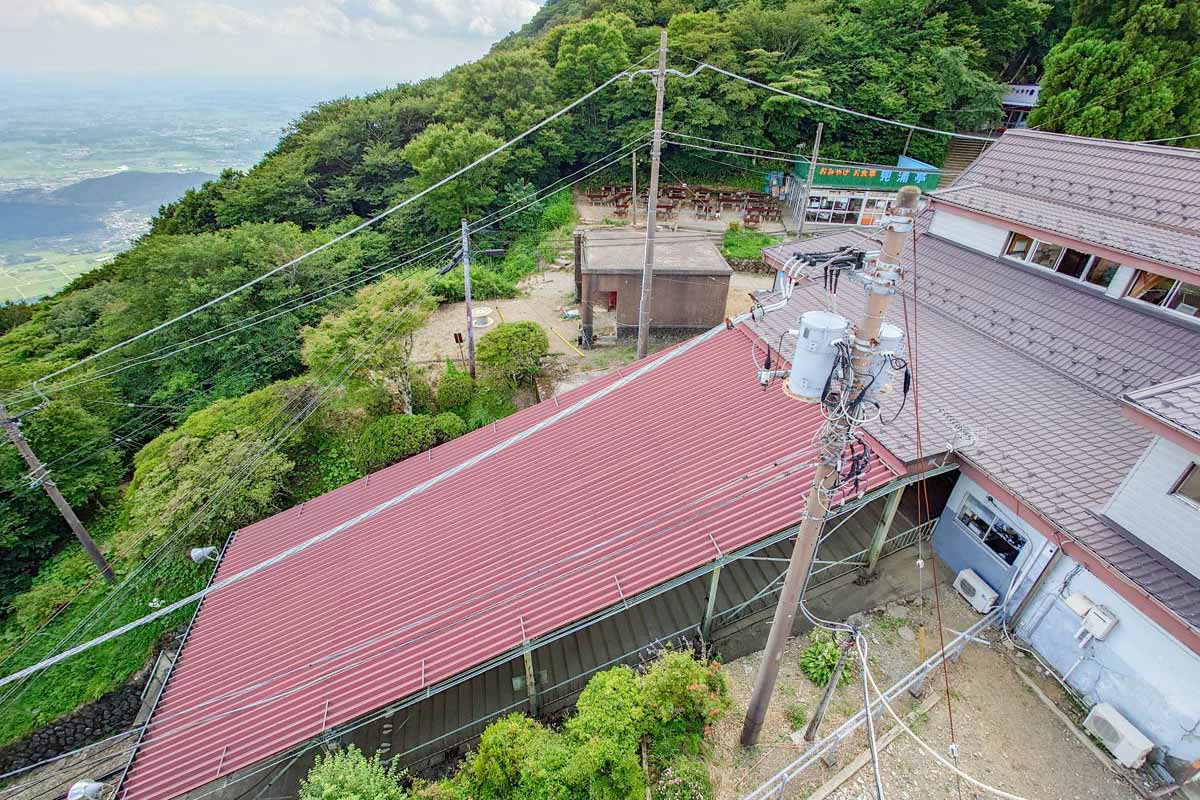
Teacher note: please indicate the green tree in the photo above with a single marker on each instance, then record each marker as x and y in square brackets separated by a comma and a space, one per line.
[439, 151]
[514, 350]
[1122, 72]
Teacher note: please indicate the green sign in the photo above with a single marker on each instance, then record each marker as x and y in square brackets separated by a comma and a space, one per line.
[910, 173]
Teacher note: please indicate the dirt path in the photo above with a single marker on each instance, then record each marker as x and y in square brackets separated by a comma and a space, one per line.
[1006, 736]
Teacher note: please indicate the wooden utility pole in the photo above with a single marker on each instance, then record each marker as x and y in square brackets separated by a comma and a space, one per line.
[808, 183]
[39, 475]
[466, 261]
[633, 198]
[880, 284]
[660, 81]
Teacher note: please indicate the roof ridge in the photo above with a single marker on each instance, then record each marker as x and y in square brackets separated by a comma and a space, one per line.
[1147, 392]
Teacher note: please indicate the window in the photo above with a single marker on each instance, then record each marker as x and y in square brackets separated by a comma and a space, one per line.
[1046, 255]
[1018, 246]
[1102, 272]
[1072, 263]
[991, 530]
[1159, 290]
[1188, 487]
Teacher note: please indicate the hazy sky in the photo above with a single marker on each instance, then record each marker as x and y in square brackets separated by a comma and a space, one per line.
[384, 40]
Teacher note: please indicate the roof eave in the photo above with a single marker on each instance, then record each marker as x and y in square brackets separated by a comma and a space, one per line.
[1160, 426]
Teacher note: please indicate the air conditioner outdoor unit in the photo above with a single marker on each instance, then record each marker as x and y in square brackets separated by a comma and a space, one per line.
[1127, 744]
[975, 591]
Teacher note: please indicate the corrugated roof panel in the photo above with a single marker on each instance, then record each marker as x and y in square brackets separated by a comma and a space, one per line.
[643, 485]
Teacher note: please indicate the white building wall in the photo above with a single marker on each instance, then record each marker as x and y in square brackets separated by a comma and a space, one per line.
[1144, 506]
[1145, 673]
[968, 232]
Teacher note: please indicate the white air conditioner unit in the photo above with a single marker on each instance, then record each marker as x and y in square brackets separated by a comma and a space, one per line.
[1127, 744]
[975, 591]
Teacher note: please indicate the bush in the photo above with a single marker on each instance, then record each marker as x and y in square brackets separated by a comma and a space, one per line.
[455, 389]
[486, 284]
[610, 706]
[684, 779]
[683, 696]
[514, 350]
[488, 405]
[603, 769]
[494, 769]
[422, 395]
[448, 426]
[349, 775]
[394, 438]
[820, 657]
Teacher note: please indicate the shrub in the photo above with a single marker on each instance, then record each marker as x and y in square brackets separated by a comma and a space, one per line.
[448, 426]
[494, 769]
[611, 706]
[546, 773]
[455, 388]
[486, 284]
[422, 395]
[394, 438]
[488, 405]
[820, 657]
[684, 779]
[682, 696]
[603, 769]
[349, 775]
[514, 350]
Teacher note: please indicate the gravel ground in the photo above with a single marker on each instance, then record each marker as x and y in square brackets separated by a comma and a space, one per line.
[1006, 736]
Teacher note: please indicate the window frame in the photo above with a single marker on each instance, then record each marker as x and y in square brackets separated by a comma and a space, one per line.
[1188, 472]
[1092, 261]
[1171, 294]
[975, 505]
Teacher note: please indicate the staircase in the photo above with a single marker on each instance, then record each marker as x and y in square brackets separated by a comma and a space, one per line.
[961, 154]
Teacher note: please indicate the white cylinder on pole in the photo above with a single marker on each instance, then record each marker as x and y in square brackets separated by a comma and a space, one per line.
[815, 353]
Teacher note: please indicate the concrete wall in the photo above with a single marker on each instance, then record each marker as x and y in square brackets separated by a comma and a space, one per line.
[1152, 679]
[971, 233]
[680, 302]
[1144, 506]
[1139, 668]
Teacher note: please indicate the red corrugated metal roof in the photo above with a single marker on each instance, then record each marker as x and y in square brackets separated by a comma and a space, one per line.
[638, 488]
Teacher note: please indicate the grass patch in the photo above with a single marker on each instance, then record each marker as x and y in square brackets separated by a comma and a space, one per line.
[747, 244]
[797, 716]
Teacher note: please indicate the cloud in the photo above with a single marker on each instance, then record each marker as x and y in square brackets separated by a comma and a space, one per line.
[106, 15]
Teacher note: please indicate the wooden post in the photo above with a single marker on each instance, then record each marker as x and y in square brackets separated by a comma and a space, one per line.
[710, 603]
[891, 505]
[810, 733]
[40, 476]
[531, 682]
[633, 197]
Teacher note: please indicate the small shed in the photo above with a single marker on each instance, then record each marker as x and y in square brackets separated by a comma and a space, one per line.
[689, 291]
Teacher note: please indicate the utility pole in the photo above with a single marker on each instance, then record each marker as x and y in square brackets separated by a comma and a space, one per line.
[652, 198]
[808, 183]
[879, 281]
[633, 198]
[39, 475]
[466, 258]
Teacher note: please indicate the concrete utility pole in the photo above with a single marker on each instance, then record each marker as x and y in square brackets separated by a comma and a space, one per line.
[41, 476]
[880, 284]
[633, 198]
[808, 183]
[466, 255]
[660, 81]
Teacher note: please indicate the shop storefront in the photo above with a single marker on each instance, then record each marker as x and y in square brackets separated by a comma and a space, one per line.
[845, 194]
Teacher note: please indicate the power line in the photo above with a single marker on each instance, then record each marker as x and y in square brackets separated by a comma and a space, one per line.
[346, 234]
[1170, 138]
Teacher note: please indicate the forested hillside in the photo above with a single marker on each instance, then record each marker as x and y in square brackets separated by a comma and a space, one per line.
[276, 394]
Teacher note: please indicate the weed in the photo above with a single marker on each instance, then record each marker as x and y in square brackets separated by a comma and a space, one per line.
[797, 715]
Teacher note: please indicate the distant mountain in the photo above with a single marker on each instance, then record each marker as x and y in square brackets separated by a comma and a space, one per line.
[132, 188]
[81, 208]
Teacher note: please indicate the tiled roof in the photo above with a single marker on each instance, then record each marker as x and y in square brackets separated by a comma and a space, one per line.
[658, 477]
[1022, 373]
[1174, 246]
[1144, 199]
[1176, 402]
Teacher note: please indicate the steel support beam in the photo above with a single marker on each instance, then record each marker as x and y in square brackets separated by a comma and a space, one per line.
[890, 507]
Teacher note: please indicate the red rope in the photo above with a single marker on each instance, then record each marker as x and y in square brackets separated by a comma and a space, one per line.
[923, 488]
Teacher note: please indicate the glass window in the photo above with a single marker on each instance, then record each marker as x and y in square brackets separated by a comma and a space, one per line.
[991, 530]
[1046, 255]
[1102, 272]
[1151, 288]
[1018, 246]
[1189, 485]
[1072, 262]
[1185, 299]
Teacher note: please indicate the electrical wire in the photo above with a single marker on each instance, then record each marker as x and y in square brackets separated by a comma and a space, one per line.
[348, 233]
